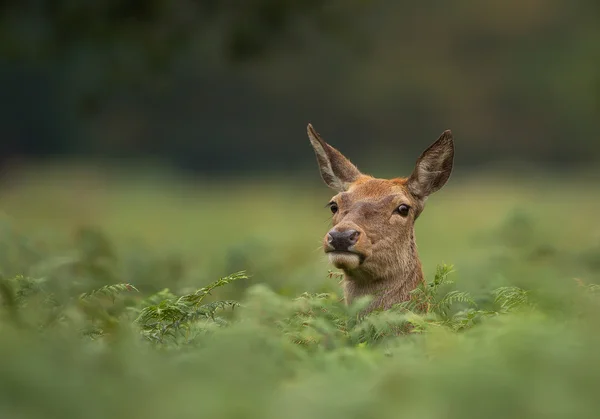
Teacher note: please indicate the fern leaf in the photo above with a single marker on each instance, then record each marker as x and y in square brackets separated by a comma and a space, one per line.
[109, 291]
[199, 295]
[509, 298]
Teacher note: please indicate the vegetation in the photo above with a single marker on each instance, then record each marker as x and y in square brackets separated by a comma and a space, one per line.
[97, 324]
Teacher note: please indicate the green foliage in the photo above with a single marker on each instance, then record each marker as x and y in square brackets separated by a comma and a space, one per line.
[273, 350]
[98, 327]
[171, 315]
[315, 322]
[509, 298]
[110, 291]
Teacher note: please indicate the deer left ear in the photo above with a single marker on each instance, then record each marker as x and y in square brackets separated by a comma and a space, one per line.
[433, 168]
[336, 170]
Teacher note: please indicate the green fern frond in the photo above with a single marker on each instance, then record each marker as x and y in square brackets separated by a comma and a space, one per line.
[441, 276]
[443, 306]
[165, 311]
[173, 314]
[509, 298]
[199, 295]
[465, 319]
[155, 299]
[209, 310]
[456, 297]
[379, 325]
[110, 291]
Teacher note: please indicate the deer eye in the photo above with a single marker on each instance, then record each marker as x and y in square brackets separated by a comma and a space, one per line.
[333, 207]
[403, 210]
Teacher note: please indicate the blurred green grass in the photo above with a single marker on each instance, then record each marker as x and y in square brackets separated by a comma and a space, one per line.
[79, 229]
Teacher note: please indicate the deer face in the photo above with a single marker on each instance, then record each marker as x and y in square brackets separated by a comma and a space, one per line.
[373, 219]
[372, 223]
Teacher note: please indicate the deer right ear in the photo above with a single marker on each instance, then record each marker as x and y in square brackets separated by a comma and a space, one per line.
[433, 168]
[336, 170]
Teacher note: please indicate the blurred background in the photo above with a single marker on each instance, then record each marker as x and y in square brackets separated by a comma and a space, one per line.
[179, 127]
[222, 87]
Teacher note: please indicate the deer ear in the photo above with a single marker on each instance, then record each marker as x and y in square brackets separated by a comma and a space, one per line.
[336, 170]
[433, 168]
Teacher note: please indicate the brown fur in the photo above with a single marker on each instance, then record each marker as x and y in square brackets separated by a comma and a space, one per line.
[387, 266]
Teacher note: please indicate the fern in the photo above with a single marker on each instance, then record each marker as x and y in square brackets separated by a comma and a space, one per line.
[379, 325]
[427, 308]
[510, 298]
[199, 295]
[442, 307]
[312, 321]
[110, 291]
[423, 298]
[171, 315]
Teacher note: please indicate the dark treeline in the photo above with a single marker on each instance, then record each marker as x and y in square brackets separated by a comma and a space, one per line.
[212, 86]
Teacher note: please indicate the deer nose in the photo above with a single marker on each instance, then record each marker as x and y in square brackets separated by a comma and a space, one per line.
[342, 240]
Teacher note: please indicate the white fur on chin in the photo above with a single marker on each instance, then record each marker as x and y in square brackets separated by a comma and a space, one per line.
[347, 261]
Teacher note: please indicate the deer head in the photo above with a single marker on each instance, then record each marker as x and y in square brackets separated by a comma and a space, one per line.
[372, 239]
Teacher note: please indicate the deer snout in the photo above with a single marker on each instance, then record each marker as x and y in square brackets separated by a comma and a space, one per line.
[342, 241]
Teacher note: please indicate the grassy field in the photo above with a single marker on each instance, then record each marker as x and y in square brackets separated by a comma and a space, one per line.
[514, 335]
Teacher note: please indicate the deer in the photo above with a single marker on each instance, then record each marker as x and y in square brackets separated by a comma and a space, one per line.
[372, 239]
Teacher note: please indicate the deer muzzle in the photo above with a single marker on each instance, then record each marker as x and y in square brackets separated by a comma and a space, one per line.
[341, 245]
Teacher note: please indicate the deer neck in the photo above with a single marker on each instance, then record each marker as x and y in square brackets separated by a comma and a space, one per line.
[391, 284]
